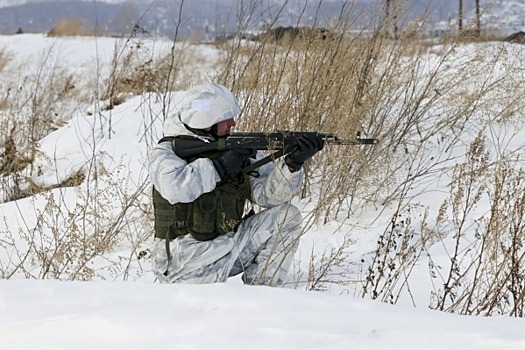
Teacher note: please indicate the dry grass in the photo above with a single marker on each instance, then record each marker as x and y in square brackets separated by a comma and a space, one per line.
[31, 106]
[398, 91]
[133, 75]
[74, 27]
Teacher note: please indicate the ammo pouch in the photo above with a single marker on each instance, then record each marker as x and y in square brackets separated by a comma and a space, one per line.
[212, 214]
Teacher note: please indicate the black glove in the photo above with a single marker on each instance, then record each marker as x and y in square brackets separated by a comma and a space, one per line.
[307, 146]
[230, 162]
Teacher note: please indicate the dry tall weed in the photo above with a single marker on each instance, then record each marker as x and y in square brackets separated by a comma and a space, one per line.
[421, 106]
[485, 274]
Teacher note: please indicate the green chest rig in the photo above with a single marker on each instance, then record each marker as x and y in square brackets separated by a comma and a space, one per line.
[212, 214]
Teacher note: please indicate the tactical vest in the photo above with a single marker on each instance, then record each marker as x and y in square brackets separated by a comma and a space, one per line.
[212, 214]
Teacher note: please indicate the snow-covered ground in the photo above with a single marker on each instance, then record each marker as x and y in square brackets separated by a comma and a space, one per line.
[123, 315]
[122, 307]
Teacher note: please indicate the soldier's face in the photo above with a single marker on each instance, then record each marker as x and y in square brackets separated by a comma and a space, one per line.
[224, 127]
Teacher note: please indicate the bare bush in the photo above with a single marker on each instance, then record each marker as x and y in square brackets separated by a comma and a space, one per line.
[32, 105]
[74, 237]
[330, 267]
[399, 248]
[485, 273]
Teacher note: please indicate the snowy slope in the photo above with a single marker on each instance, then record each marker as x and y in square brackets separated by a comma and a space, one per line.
[100, 314]
[109, 315]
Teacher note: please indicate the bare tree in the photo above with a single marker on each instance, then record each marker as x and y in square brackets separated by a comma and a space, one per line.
[392, 4]
[460, 16]
[478, 19]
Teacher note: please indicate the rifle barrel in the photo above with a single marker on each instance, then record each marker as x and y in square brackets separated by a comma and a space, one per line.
[334, 140]
[291, 135]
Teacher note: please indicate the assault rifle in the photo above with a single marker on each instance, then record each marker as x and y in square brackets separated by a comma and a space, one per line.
[280, 142]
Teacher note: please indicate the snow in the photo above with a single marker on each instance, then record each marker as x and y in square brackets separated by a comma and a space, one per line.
[124, 308]
[56, 315]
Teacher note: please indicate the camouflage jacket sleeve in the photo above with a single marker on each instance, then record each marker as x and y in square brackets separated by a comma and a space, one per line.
[175, 179]
[275, 184]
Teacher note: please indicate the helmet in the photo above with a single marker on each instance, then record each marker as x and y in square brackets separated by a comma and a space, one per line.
[206, 105]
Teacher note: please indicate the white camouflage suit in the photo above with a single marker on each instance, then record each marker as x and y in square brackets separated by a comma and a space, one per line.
[264, 244]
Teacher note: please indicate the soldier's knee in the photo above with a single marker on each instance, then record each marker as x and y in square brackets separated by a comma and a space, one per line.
[288, 212]
[288, 220]
[288, 209]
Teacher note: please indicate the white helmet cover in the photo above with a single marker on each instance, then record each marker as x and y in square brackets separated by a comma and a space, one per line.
[206, 105]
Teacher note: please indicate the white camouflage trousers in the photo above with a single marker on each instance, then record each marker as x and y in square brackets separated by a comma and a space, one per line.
[262, 250]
